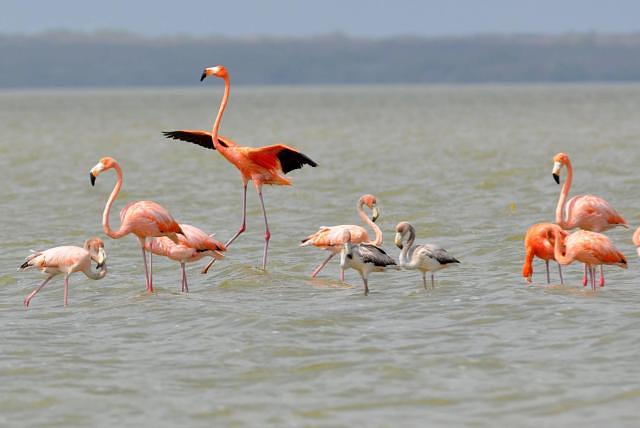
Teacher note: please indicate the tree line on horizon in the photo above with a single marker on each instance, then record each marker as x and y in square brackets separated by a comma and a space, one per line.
[111, 59]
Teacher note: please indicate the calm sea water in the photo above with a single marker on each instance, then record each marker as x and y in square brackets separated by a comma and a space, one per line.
[469, 166]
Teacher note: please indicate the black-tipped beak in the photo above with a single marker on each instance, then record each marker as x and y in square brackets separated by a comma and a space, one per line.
[557, 178]
[92, 178]
[204, 76]
[99, 265]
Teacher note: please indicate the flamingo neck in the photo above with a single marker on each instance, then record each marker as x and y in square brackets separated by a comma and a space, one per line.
[561, 258]
[562, 218]
[404, 253]
[107, 209]
[636, 237]
[96, 275]
[372, 225]
[223, 105]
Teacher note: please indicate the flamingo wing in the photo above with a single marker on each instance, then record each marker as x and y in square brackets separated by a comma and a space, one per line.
[198, 239]
[279, 155]
[377, 256]
[201, 138]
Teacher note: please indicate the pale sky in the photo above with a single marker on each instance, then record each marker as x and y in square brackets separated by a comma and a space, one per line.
[376, 18]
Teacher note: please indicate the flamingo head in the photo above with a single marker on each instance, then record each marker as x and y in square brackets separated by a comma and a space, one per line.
[218, 71]
[104, 164]
[95, 246]
[371, 202]
[559, 160]
[402, 229]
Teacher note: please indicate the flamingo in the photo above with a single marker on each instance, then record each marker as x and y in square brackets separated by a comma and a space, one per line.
[193, 246]
[425, 257]
[587, 212]
[365, 258]
[590, 248]
[67, 260]
[331, 238]
[261, 165]
[143, 218]
[636, 240]
[538, 242]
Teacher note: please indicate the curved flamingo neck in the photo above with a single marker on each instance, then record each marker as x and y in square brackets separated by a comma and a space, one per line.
[372, 225]
[107, 209]
[98, 274]
[636, 237]
[406, 248]
[223, 105]
[561, 218]
[561, 258]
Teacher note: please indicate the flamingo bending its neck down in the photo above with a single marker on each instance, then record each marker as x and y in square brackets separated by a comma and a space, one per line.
[590, 248]
[193, 246]
[365, 258]
[636, 239]
[331, 238]
[538, 242]
[67, 260]
[262, 165]
[587, 212]
[424, 257]
[144, 219]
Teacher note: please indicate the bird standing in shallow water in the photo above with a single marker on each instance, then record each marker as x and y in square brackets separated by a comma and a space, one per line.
[331, 238]
[538, 242]
[261, 165]
[144, 219]
[588, 212]
[67, 260]
[590, 248]
[193, 246]
[365, 258]
[423, 257]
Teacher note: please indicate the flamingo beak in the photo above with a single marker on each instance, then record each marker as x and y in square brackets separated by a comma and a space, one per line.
[398, 241]
[556, 171]
[92, 178]
[204, 75]
[375, 214]
[102, 257]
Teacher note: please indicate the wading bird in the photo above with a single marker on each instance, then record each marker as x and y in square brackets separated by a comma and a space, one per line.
[331, 238]
[422, 257]
[193, 246]
[538, 242]
[365, 258]
[262, 165]
[67, 260]
[636, 239]
[587, 212]
[590, 248]
[145, 219]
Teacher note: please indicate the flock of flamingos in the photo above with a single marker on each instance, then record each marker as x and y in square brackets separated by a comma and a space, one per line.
[159, 233]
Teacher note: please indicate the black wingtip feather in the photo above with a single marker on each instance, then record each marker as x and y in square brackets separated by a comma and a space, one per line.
[291, 159]
[202, 139]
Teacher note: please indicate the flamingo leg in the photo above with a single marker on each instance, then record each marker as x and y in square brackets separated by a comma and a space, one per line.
[584, 278]
[341, 274]
[366, 286]
[546, 264]
[560, 273]
[66, 288]
[593, 284]
[267, 233]
[433, 284]
[424, 279]
[185, 286]
[36, 291]
[322, 265]
[146, 268]
[601, 276]
[243, 226]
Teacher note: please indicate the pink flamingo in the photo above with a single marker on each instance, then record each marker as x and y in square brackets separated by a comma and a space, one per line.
[193, 246]
[262, 165]
[332, 238]
[67, 260]
[587, 212]
[590, 248]
[538, 242]
[144, 219]
[636, 239]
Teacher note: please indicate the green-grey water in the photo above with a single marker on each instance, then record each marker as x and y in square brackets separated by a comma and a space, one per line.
[469, 166]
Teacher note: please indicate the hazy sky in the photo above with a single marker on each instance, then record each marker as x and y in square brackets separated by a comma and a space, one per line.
[300, 18]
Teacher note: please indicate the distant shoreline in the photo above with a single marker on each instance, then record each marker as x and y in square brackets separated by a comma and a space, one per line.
[115, 59]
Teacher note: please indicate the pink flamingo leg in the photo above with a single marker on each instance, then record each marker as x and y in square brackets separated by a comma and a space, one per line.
[66, 288]
[546, 264]
[267, 233]
[36, 291]
[341, 275]
[146, 271]
[584, 278]
[560, 273]
[185, 286]
[322, 265]
[601, 276]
